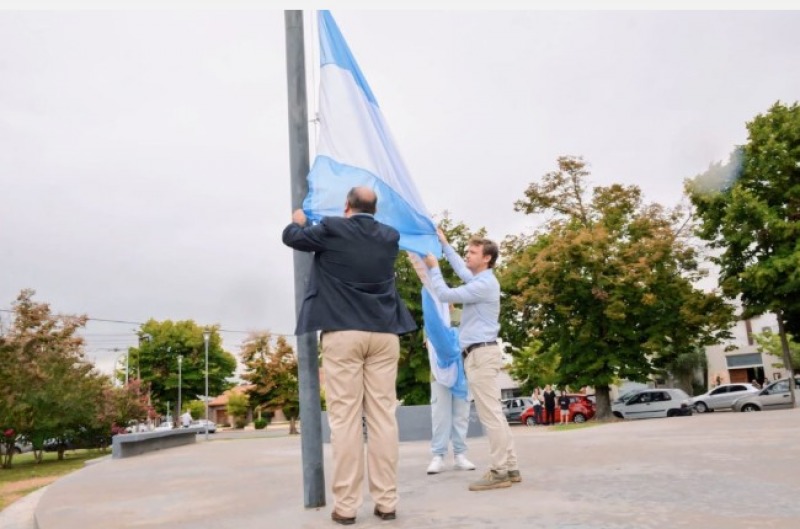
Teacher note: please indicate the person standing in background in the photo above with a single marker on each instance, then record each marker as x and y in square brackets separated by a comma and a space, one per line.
[549, 404]
[563, 404]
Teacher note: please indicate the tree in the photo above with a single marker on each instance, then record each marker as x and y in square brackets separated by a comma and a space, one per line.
[533, 367]
[607, 284]
[272, 371]
[155, 362]
[238, 404]
[413, 373]
[753, 220]
[770, 343]
[49, 390]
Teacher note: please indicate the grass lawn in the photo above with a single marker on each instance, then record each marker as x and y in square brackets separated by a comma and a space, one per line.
[25, 475]
[575, 425]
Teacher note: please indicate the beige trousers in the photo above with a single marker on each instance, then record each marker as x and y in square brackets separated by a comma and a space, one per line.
[360, 379]
[482, 366]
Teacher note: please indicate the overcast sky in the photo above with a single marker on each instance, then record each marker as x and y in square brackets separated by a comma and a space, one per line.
[144, 155]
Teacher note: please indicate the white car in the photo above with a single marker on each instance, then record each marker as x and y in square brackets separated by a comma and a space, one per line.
[662, 402]
[722, 397]
[21, 445]
[201, 423]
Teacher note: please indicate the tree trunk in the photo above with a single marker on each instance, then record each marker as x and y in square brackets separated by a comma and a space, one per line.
[293, 426]
[787, 356]
[602, 394]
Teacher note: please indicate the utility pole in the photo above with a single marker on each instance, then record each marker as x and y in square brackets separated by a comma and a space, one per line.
[307, 363]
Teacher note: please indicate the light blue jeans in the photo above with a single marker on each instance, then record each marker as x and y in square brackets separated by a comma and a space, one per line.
[450, 419]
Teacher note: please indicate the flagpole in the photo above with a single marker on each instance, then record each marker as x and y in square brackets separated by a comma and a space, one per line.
[307, 363]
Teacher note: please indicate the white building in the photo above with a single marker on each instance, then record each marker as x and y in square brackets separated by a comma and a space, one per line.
[745, 363]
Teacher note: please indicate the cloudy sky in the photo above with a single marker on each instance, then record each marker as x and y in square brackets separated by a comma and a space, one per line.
[144, 155]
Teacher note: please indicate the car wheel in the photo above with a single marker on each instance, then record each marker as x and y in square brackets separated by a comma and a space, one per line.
[579, 417]
[701, 407]
[672, 413]
[17, 450]
[750, 407]
[618, 415]
[530, 421]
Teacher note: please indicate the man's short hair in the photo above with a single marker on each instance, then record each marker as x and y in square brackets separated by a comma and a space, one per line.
[359, 204]
[488, 247]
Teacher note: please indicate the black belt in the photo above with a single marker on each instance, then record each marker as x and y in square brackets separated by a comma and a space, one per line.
[468, 349]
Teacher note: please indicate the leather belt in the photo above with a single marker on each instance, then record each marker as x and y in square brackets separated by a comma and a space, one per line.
[468, 349]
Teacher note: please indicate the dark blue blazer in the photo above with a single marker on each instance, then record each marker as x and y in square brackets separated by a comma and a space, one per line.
[352, 280]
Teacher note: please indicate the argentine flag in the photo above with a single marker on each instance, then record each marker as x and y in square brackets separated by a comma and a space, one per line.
[355, 148]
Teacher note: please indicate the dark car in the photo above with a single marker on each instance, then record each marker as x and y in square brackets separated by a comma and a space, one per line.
[581, 409]
[513, 408]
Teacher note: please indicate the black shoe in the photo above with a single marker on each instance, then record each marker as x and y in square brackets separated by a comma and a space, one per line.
[385, 515]
[342, 520]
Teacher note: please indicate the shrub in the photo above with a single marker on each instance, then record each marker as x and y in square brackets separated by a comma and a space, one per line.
[260, 423]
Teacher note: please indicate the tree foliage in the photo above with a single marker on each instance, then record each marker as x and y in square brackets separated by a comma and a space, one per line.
[238, 405]
[155, 362]
[533, 367]
[49, 389]
[272, 372]
[753, 219]
[770, 343]
[607, 284]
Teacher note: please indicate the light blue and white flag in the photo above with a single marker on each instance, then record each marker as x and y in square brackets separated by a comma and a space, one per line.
[355, 148]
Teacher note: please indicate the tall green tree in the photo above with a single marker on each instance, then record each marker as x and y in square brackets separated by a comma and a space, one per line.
[608, 283]
[155, 362]
[753, 220]
[272, 370]
[414, 373]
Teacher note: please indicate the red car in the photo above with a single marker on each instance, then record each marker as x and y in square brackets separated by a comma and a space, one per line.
[581, 409]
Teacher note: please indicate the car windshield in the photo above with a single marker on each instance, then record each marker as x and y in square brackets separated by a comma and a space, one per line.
[625, 397]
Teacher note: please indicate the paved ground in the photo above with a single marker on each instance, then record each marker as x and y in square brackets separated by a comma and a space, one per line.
[719, 470]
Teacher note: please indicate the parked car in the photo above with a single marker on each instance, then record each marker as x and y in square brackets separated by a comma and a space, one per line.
[581, 409]
[722, 397]
[662, 402]
[201, 423]
[773, 397]
[21, 445]
[74, 443]
[513, 408]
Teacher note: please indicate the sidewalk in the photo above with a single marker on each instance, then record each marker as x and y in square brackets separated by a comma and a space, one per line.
[720, 470]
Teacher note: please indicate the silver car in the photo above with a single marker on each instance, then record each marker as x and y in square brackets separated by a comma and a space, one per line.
[722, 397]
[772, 397]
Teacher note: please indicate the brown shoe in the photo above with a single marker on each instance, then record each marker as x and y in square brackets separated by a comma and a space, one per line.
[342, 520]
[514, 476]
[491, 480]
[385, 515]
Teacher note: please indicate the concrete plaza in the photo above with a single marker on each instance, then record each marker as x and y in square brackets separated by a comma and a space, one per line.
[720, 470]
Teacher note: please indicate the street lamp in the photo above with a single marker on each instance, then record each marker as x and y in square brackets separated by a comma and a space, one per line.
[206, 338]
[147, 337]
[180, 363]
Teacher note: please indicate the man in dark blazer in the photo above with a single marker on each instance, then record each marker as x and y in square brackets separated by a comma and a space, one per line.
[351, 297]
